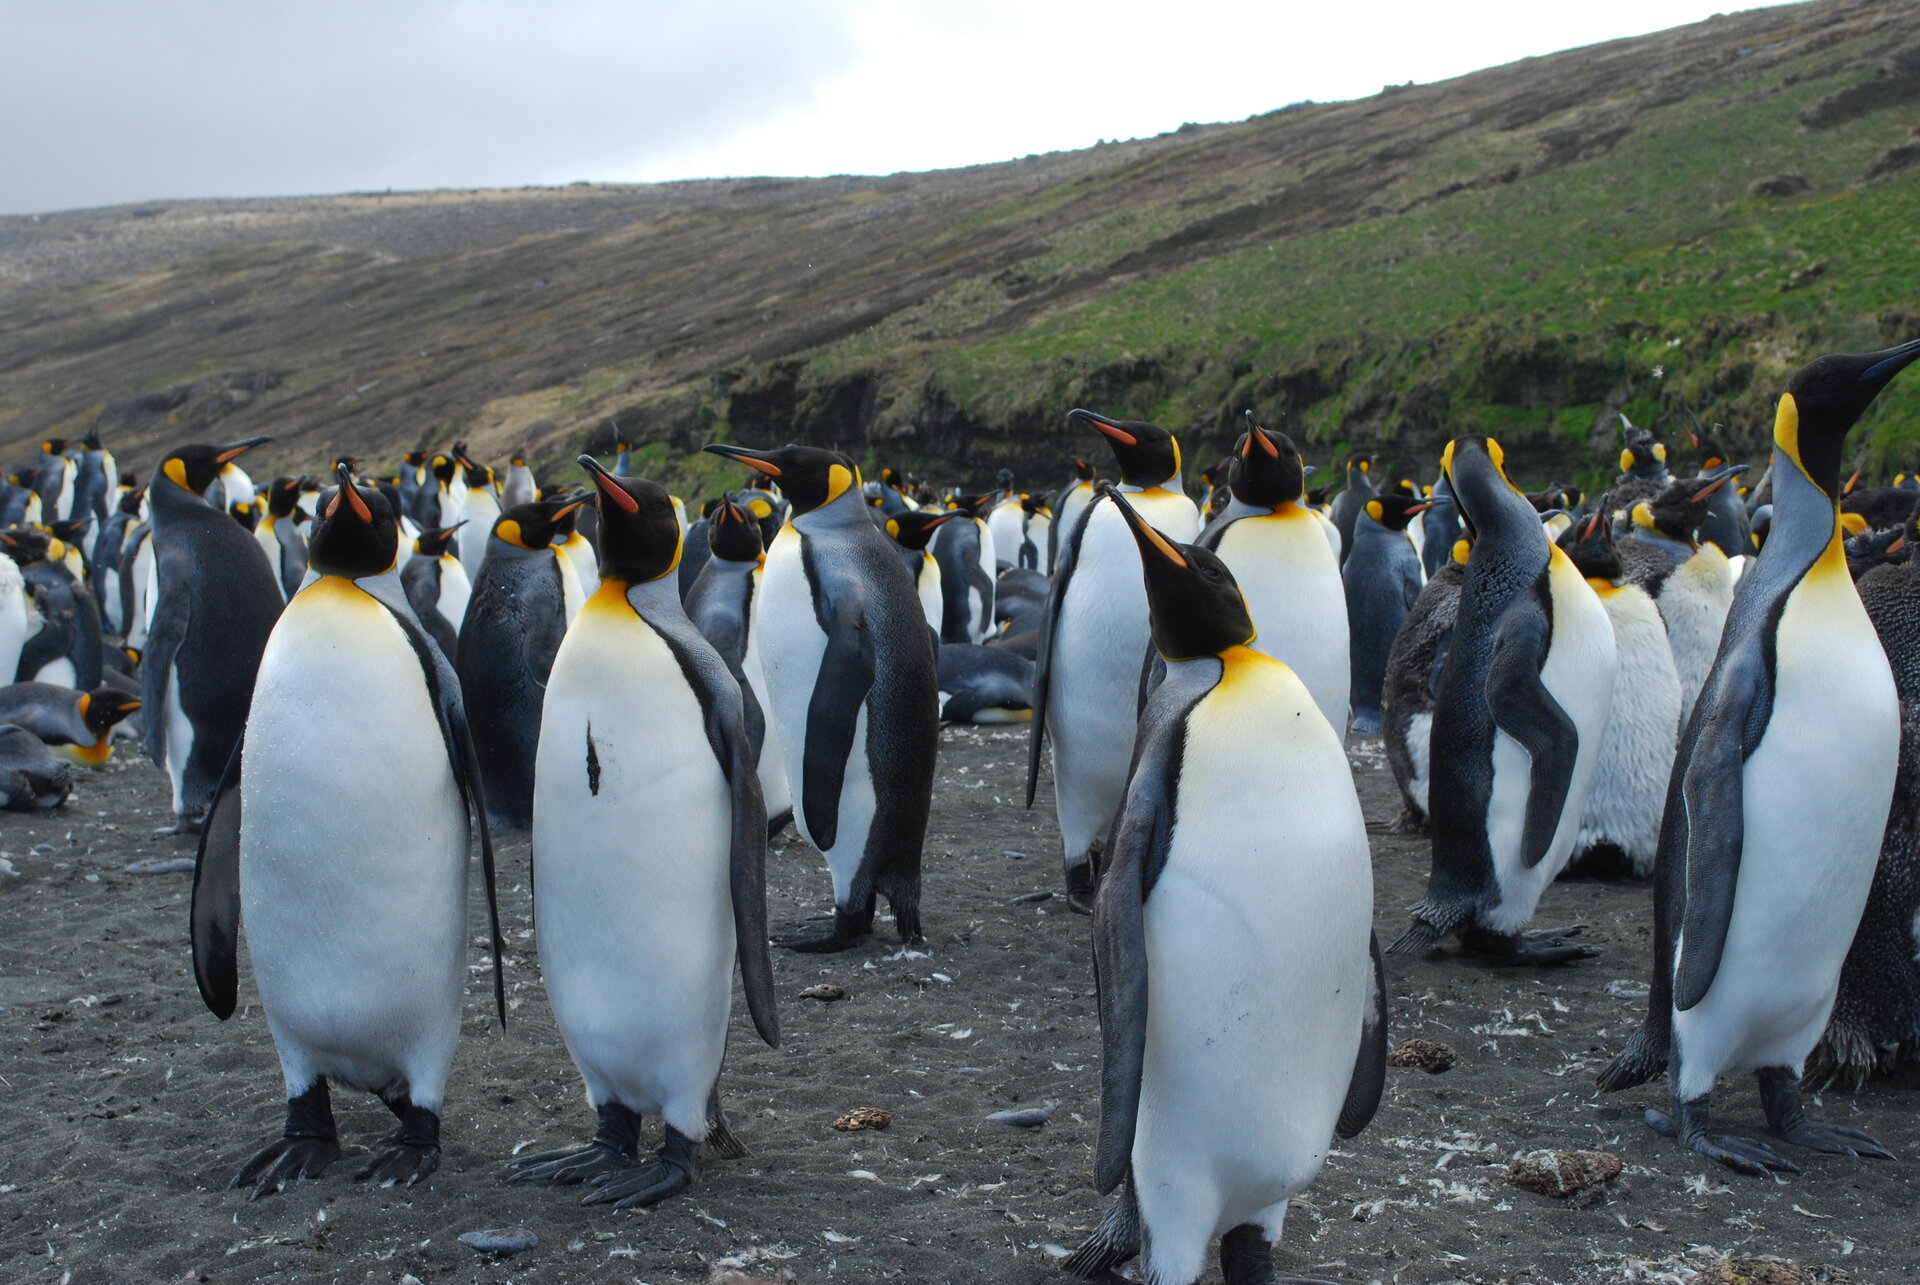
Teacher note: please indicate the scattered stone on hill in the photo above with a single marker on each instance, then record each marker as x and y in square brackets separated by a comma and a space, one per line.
[826, 992]
[1806, 276]
[1423, 1055]
[1897, 81]
[1894, 161]
[1561, 1174]
[864, 1118]
[1764, 1271]
[503, 1242]
[1779, 185]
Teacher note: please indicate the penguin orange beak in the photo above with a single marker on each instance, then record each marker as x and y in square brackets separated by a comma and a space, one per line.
[1419, 508]
[1149, 539]
[752, 459]
[1593, 525]
[348, 493]
[1851, 483]
[1899, 543]
[1104, 426]
[604, 482]
[943, 519]
[231, 453]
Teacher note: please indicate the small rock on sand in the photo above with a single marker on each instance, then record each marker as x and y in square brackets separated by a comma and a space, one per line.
[826, 992]
[1757, 1271]
[1562, 1173]
[1423, 1055]
[499, 1240]
[162, 866]
[863, 1118]
[1024, 1118]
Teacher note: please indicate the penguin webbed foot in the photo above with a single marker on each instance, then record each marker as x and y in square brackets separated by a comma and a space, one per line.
[1540, 948]
[614, 1147]
[304, 1150]
[673, 1169]
[1246, 1257]
[409, 1153]
[1787, 1119]
[822, 934]
[1410, 821]
[1742, 1155]
[1081, 886]
[186, 825]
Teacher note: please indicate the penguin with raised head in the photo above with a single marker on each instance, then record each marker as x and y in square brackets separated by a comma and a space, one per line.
[1243, 1017]
[1643, 468]
[1728, 522]
[1287, 571]
[516, 616]
[1074, 496]
[339, 837]
[913, 530]
[109, 547]
[519, 487]
[850, 680]
[437, 587]
[214, 603]
[644, 718]
[77, 726]
[721, 606]
[1412, 685]
[1620, 825]
[1777, 806]
[1351, 502]
[963, 550]
[1382, 580]
[1517, 724]
[1036, 532]
[1093, 638]
[54, 481]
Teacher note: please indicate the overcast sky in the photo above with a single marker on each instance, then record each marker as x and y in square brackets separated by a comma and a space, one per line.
[115, 101]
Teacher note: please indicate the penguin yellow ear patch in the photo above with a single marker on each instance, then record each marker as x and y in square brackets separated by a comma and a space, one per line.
[509, 530]
[176, 468]
[1642, 515]
[839, 478]
[1660, 452]
[1462, 551]
[893, 527]
[760, 509]
[1852, 523]
[1626, 460]
[1375, 510]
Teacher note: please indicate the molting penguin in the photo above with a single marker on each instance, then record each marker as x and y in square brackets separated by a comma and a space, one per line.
[1348, 504]
[850, 679]
[437, 586]
[1243, 1020]
[1278, 552]
[644, 719]
[1620, 825]
[516, 616]
[1412, 685]
[214, 602]
[1517, 724]
[1643, 468]
[339, 835]
[1382, 578]
[965, 555]
[1092, 641]
[721, 606]
[1778, 803]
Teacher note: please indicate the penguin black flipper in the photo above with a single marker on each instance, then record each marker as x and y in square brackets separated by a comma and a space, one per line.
[165, 633]
[1069, 556]
[1370, 1065]
[839, 693]
[216, 896]
[443, 686]
[1524, 709]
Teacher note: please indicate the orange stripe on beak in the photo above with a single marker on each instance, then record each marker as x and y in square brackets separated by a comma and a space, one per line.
[1159, 541]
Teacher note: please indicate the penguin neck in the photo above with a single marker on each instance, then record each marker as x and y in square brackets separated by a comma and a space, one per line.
[846, 511]
[1805, 516]
[1678, 550]
[651, 600]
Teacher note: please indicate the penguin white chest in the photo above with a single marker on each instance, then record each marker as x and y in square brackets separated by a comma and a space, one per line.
[353, 849]
[1291, 580]
[455, 590]
[632, 835]
[932, 604]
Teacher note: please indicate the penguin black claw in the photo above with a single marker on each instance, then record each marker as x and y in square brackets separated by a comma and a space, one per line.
[1787, 1120]
[614, 1146]
[409, 1153]
[304, 1150]
[1080, 888]
[822, 934]
[1541, 948]
[674, 1168]
[1742, 1155]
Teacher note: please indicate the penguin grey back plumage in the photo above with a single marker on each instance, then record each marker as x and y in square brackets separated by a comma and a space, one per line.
[1412, 682]
[31, 778]
[1381, 574]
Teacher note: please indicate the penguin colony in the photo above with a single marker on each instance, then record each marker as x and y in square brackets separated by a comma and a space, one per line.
[1676, 682]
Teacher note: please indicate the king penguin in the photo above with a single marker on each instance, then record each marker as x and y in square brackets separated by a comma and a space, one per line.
[1278, 553]
[964, 552]
[1243, 1019]
[1074, 496]
[852, 684]
[1692, 583]
[278, 534]
[644, 719]
[1413, 683]
[339, 837]
[516, 616]
[437, 586]
[214, 603]
[480, 509]
[1620, 825]
[1348, 505]
[1382, 579]
[912, 530]
[1517, 724]
[1777, 805]
[1093, 638]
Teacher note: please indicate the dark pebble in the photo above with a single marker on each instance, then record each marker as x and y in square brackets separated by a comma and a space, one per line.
[502, 1241]
[1028, 899]
[1011, 855]
[1027, 1118]
[162, 866]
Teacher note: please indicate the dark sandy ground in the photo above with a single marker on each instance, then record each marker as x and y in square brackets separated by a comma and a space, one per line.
[125, 1107]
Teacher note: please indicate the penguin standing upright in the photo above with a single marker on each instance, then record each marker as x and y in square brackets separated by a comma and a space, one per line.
[1643, 468]
[1382, 579]
[1693, 585]
[912, 530]
[1093, 639]
[1287, 571]
[643, 718]
[278, 534]
[53, 482]
[1439, 528]
[721, 606]
[966, 578]
[93, 480]
[1412, 684]
[1243, 1021]
[851, 681]
[516, 616]
[437, 587]
[1037, 533]
[15, 613]
[1074, 496]
[214, 603]
[1620, 825]
[1777, 805]
[1351, 502]
[109, 548]
[480, 509]
[66, 650]
[520, 487]
[1007, 521]
[1517, 724]
[339, 836]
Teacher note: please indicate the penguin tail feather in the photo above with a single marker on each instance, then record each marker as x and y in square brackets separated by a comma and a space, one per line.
[1644, 1057]
[722, 1143]
[1112, 1243]
[1844, 1059]
[1432, 921]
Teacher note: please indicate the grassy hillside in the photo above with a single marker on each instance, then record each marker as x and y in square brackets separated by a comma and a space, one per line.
[1522, 251]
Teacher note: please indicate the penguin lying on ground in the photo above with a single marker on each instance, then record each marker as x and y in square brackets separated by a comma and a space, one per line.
[643, 718]
[1243, 1020]
[1620, 824]
[31, 778]
[66, 648]
[77, 726]
[339, 834]
[850, 680]
[1412, 684]
[1777, 806]
[1522, 706]
[984, 685]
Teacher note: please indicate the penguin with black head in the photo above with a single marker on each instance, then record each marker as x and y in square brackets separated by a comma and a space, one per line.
[644, 719]
[1382, 578]
[215, 602]
[1778, 803]
[436, 584]
[339, 837]
[913, 530]
[851, 684]
[1517, 724]
[1243, 1020]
